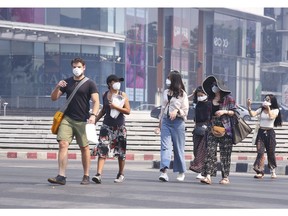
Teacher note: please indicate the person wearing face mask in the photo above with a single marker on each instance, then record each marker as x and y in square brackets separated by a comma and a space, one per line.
[75, 119]
[202, 117]
[270, 116]
[222, 109]
[113, 133]
[173, 114]
[168, 82]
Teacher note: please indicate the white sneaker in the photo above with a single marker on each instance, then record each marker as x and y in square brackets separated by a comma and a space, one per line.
[180, 177]
[199, 176]
[119, 178]
[164, 177]
[273, 174]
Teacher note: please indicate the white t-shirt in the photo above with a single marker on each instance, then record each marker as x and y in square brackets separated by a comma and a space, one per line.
[265, 120]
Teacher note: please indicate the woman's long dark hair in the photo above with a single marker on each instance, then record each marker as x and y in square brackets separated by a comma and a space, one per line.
[177, 86]
[274, 105]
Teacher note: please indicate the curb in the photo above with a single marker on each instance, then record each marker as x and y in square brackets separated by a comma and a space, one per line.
[136, 156]
[53, 155]
[238, 167]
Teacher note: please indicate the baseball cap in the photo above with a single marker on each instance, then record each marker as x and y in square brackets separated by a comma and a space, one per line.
[114, 78]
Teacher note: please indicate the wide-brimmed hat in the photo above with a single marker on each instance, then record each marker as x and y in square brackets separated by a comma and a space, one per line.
[210, 81]
[114, 78]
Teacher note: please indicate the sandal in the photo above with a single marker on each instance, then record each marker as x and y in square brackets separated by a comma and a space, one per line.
[224, 181]
[206, 180]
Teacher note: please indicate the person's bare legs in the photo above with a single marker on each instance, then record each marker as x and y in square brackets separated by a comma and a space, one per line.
[100, 165]
[85, 153]
[121, 164]
[63, 157]
[120, 175]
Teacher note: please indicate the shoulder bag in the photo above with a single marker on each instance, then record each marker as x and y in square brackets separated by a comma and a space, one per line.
[200, 128]
[58, 116]
[255, 131]
[240, 129]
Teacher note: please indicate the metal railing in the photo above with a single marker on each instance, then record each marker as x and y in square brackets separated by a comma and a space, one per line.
[31, 104]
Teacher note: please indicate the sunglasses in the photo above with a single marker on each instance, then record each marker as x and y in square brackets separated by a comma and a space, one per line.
[267, 99]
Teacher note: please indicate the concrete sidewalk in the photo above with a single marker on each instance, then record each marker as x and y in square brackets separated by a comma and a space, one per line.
[240, 162]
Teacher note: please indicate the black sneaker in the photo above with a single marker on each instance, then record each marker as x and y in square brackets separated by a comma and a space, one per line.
[97, 178]
[58, 180]
[85, 180]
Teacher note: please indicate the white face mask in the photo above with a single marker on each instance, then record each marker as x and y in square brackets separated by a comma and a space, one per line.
[116, 86]
[77, 72]
[215, 89]
[202, 98]
[266, 103]
[168, 82]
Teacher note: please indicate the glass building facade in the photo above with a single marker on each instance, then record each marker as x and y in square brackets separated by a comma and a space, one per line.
[140, 44]
[274, 71]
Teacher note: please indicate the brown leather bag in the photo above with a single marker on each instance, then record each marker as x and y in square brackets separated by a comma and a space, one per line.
[218, 131]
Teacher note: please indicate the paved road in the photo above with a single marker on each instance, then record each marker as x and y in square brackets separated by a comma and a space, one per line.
[23, 185]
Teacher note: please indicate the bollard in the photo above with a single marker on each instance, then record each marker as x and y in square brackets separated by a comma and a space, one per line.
[4, 105]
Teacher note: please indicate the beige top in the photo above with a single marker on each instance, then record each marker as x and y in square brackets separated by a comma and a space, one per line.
[180, 103]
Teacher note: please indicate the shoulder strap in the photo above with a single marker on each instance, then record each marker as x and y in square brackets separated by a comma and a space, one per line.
[64, 107]
[104, 95]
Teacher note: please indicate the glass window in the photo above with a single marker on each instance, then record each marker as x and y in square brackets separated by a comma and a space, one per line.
[152, 25]
[39, 15]
[22, 74]
[22, 15]
[177, 30]
[251, 39]
[5, 46]
[225, 69]
[90, 18]
[53, 16]
[70, 49]
[5, 14]
[184, 60]
[110, 17]
[119, 21]
[226, 39]
[140, 25]
[108, 51]
[103, 19]
[120, 52]
[52, 61]
[5, 73]
[185, 28]
[140, 62]
[175, 59]
[130, 62]
[151, 56]
[5, 64]
[130, 54]
[70, 17]
[130, 23]
[21, 47]
[194, 29]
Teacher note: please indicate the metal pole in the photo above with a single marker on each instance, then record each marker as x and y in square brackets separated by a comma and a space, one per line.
[4, 105]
